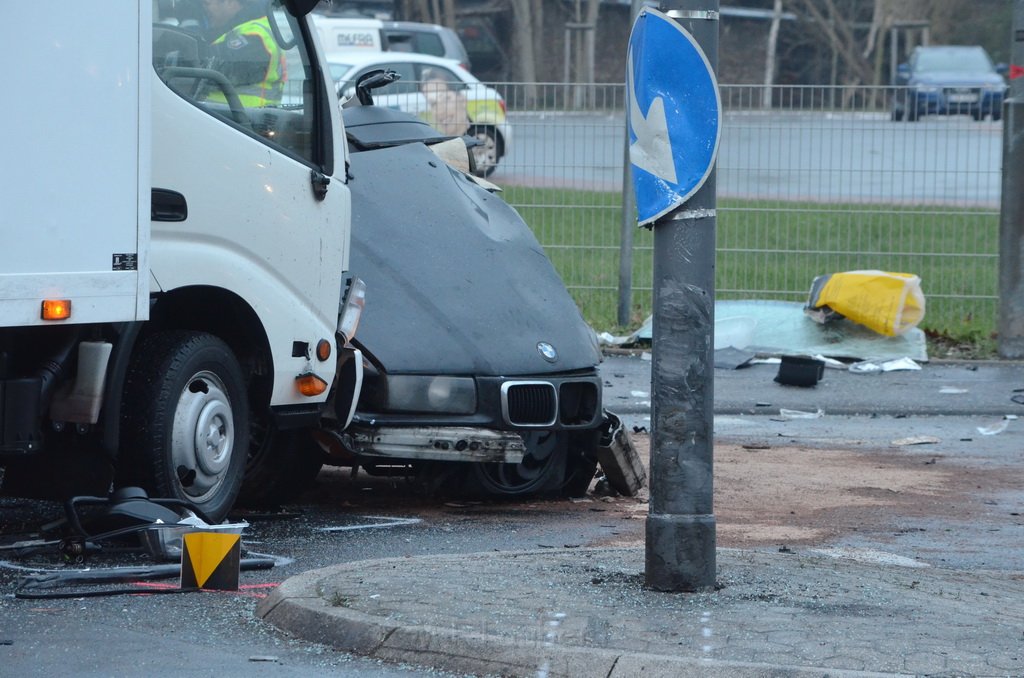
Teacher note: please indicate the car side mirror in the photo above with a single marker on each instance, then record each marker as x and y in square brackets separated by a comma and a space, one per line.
[300, 8]
[903, 72]
[1002, 68]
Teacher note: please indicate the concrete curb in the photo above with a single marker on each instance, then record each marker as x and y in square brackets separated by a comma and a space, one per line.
[298, 607]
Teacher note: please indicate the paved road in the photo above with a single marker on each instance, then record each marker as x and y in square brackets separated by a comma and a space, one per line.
[945, 400]
[217, 635]
[932, 588]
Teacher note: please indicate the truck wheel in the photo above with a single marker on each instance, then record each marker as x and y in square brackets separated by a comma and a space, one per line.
[552, 465]
[280, 466]
[186, 423]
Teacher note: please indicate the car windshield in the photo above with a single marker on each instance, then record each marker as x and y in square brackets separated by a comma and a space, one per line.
[962, 60]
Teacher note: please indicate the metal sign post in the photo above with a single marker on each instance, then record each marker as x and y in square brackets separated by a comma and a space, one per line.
[1011, 223]
[675, 121]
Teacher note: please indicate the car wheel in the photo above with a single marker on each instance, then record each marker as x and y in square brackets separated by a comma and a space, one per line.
[896, 115]
[186, 422]
[552, 465]
[281, 465]
[997, 115]
[488, 150]
[912, 114]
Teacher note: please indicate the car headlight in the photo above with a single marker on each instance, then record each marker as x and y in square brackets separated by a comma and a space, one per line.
[927, 89]
[416, 393]
[993, 89]
[352, 309]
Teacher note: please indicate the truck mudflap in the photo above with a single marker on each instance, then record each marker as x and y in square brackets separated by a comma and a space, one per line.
[438, 443]
[19, 417]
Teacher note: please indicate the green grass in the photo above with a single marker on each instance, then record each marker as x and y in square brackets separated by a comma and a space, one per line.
[775, 249]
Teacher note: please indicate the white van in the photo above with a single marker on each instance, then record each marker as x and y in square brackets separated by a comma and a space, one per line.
[349, 34]
[363, 34]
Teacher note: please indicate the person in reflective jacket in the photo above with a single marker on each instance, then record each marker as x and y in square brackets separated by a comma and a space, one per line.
[245, 51]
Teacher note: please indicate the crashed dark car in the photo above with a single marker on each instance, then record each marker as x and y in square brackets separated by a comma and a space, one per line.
[479, 371]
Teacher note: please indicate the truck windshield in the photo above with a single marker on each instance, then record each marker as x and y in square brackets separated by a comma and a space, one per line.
[249, 67]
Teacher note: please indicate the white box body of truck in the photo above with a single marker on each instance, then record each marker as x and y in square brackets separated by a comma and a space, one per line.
[75, 216]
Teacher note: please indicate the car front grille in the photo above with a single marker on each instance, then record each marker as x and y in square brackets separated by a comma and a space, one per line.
[560, 403]
[529, 403]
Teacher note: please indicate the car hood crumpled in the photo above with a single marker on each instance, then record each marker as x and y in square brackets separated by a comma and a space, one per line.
[456, 281]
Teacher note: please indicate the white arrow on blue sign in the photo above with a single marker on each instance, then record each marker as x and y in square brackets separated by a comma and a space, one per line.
[674, 115]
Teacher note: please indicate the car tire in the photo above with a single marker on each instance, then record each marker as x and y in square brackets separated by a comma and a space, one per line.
[912, 114]
[997, 115]
[555, 464]
[896, 115]
[185, 421]
[488, 151]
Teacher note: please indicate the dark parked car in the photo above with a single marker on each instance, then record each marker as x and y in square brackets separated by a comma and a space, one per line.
[471, 340]
[949, 80]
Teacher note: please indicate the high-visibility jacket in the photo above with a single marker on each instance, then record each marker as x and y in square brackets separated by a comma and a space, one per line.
[265, 92]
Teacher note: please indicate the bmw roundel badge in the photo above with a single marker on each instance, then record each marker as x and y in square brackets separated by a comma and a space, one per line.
[547, 351]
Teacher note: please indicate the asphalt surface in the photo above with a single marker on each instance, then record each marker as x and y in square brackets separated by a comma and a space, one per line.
[810, 612]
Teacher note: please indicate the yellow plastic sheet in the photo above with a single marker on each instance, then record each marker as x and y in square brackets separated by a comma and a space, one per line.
[888, 303]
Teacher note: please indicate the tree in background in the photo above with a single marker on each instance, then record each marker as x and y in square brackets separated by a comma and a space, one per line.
[441, 12]
[857, 33]
[841, 42]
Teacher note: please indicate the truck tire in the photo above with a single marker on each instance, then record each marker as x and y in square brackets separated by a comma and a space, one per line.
[280, 466]
[185, 422]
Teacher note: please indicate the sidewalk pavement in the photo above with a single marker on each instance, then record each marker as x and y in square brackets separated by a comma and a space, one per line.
[586, 612]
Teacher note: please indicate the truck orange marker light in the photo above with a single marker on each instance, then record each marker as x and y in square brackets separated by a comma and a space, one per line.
[323, 350]
[310, 385]
[56, 309]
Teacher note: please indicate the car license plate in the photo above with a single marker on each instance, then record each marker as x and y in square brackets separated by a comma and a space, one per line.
[962, 98]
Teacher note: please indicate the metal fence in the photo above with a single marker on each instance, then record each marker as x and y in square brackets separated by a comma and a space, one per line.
[823, 180]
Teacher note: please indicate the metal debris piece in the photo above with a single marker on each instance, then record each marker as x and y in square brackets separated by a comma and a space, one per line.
[619, 459]
[916, 440]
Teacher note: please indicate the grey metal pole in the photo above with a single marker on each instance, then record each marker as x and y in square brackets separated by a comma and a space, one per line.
[680, 529]
[626, 241]
[1011, 223]
[628, 221]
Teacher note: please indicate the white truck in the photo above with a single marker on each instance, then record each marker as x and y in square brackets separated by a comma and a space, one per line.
[174, 301]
